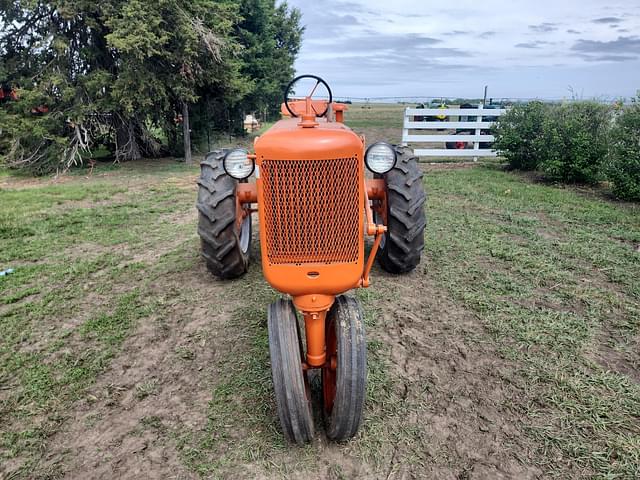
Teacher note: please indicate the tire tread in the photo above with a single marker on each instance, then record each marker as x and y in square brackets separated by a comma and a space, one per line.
[351, 378]
[220, 242]
[406, 220]
[294, 408]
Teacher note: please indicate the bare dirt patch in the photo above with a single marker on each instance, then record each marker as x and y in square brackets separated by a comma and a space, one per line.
[187, 182]
[30, 182]
[116, 198]
[181, 218]
[625, 361]
[102, 171]
[459, 391]
[456, 414]
[160, 384]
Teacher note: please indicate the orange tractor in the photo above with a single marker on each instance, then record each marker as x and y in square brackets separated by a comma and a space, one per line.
[315, 206]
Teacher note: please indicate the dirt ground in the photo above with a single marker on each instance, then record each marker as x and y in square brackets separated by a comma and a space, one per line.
[446, 377]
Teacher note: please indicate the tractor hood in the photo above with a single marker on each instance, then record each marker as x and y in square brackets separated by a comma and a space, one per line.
[310, 185]
[287, 140]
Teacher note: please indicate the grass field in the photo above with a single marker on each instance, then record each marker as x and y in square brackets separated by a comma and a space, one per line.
[513, 351]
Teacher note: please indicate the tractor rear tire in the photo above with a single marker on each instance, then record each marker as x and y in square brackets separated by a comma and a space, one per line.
[225, 247]
[345, 388]
[289, 381]
[403, 242]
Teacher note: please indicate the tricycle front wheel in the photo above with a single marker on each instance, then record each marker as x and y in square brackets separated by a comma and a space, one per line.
[344, 378]
[289, 378]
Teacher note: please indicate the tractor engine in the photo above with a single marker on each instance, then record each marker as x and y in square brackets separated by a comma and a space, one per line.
[310, 199]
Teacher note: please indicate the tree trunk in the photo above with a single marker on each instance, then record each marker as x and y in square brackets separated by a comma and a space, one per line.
[186, 133]
[127, 147]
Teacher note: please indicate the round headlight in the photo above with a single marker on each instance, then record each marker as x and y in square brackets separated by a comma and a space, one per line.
[237, 163]
[380, 157]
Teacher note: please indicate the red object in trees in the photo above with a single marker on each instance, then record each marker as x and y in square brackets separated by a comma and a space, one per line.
[40, 110]
[7, 93]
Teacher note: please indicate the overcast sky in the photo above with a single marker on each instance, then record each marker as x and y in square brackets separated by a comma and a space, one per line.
[518, 48]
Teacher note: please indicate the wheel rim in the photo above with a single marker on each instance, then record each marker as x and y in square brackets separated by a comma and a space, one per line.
[329, 371]
[245, 234]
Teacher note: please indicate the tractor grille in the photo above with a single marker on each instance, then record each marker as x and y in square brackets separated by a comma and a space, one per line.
[312, 210]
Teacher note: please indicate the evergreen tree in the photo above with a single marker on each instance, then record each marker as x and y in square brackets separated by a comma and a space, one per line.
[104, 73]
[270, 38]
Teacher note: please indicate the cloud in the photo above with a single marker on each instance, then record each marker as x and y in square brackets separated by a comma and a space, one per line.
[350, 71]
[620, 46]
[607, 20]
[403, 47]
[544, 27]
[608, 58]
[322, 21]
[534, 44]
[369, 42]
[526, 45]
[623, 49]
[345, 20]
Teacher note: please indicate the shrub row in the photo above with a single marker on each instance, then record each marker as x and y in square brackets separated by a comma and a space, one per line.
[577, 142]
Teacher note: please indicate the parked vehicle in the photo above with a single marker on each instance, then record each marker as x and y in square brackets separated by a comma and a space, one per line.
[315, 207]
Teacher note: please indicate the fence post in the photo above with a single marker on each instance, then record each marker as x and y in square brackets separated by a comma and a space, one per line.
[476, 145]
[405, 131]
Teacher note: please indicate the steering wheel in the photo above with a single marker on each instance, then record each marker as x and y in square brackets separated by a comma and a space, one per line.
[319, 81]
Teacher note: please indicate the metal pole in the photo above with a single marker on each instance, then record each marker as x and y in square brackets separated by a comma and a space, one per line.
[484, 99]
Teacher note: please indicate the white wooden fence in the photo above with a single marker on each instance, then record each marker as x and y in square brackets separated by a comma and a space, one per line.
[409, 135]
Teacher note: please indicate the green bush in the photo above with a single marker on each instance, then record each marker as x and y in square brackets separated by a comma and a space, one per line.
[519, 135]
[575, 136]
[624, 161]
[576, 142]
